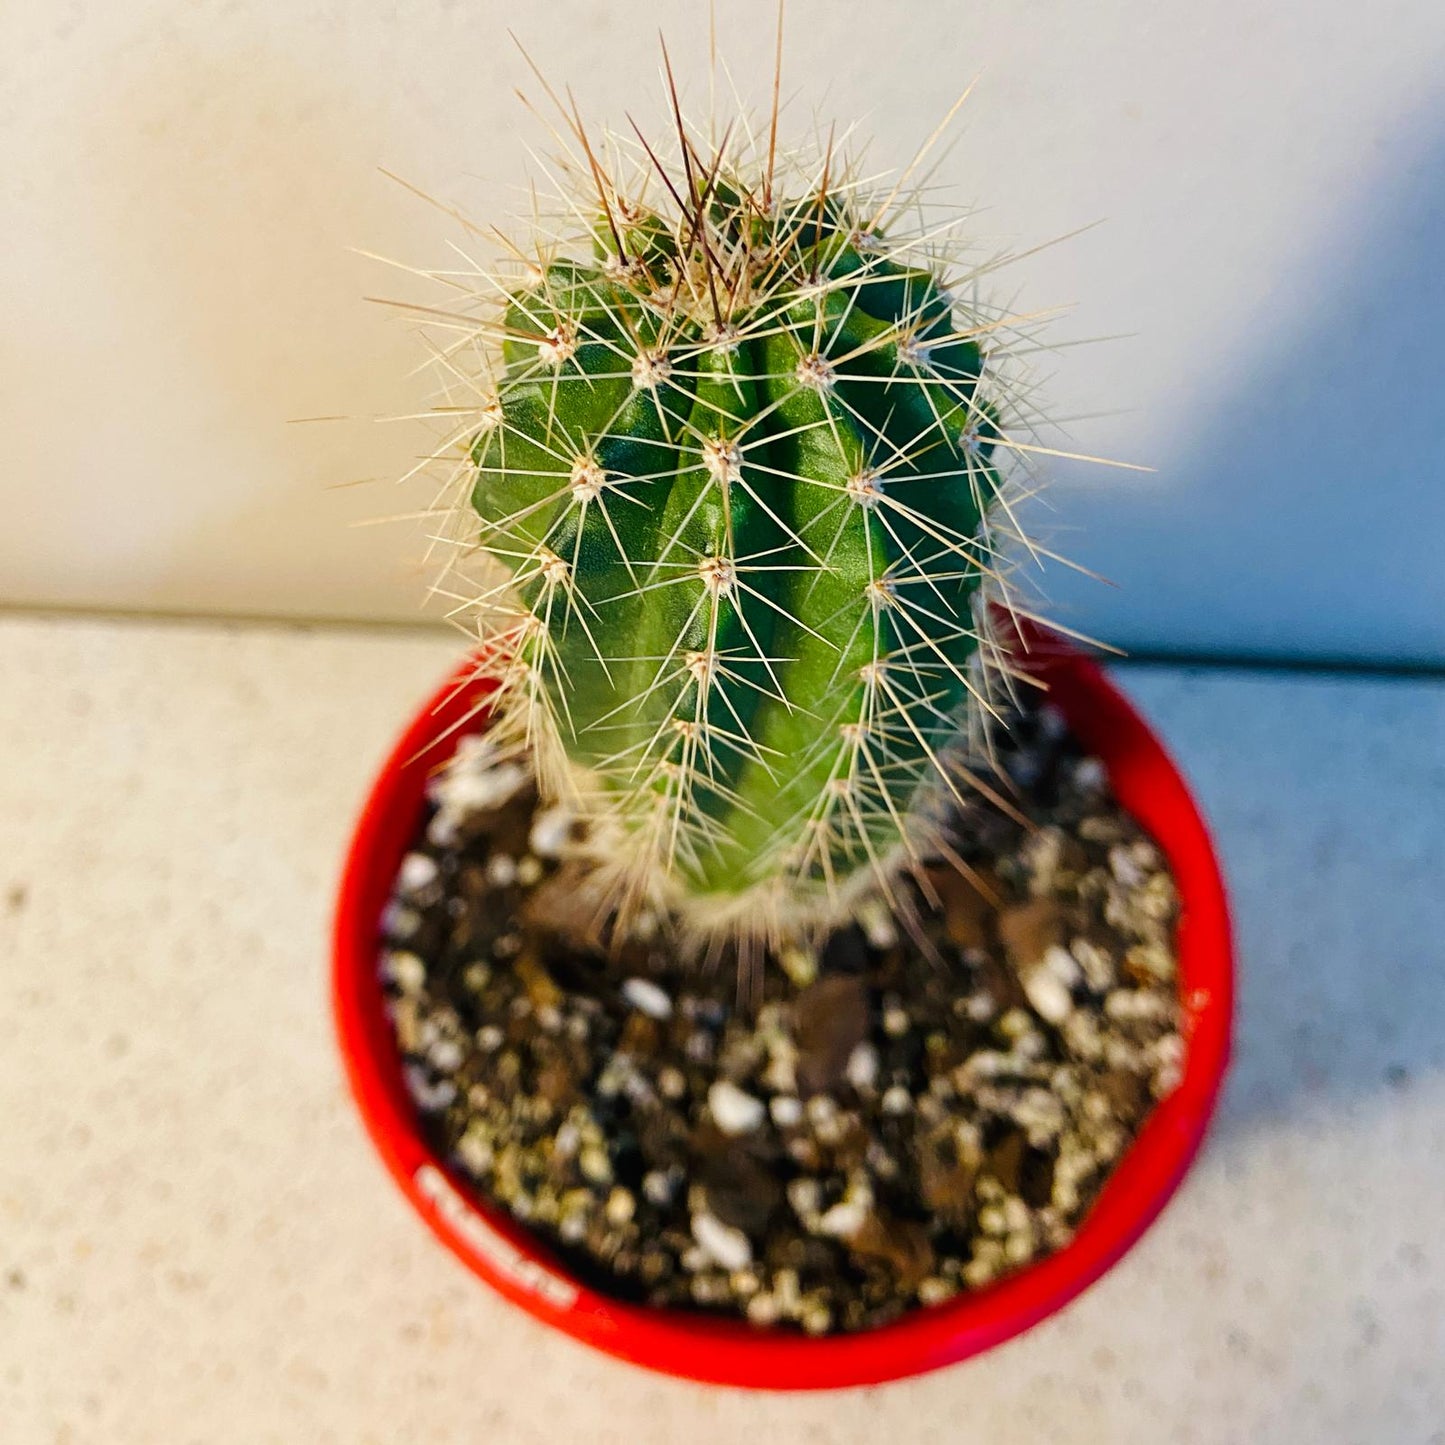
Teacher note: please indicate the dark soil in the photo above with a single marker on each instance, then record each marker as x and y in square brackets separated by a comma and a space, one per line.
[874, 1131]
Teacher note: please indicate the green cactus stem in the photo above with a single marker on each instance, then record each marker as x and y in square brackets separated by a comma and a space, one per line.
[738, 462]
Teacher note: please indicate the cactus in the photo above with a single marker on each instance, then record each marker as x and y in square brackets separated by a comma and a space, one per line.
[736, 457]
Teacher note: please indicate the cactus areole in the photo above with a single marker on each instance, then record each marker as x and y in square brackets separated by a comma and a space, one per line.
[738, 465]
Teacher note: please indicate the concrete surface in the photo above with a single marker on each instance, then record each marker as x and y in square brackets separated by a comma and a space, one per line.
[197, 1245]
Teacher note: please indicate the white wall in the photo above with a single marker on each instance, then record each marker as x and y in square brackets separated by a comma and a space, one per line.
[179, 183]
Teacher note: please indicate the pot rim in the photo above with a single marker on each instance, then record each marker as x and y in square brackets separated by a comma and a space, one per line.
[1147, 784]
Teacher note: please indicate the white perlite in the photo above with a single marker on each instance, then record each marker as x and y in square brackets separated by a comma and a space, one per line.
[786, 1109]
[645, 996]
[417, 871]
[657, 1187]
[733, 1111]
[862, 1067]
[933, 1291]
[726, 1246]
[844, 1219]
[501, 870]
[551, 829]
[805, 1194]
[445, 1055]
[398, 921]
[1062, 964]
[1048, 993]
[405, 970]
[428, 1095]
[475, 780]
[1126, 867]
[475, 1151]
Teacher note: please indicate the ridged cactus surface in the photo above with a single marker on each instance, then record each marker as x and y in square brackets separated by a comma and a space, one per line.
[738, 464]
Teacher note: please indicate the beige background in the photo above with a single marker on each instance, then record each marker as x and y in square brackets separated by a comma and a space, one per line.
[179, 184]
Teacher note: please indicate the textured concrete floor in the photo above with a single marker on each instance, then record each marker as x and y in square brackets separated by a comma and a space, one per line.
[197, 1245]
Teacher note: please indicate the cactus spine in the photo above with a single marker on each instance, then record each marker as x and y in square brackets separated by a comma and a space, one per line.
[736, 457]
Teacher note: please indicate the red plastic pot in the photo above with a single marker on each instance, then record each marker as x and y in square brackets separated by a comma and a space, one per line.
[676, 1342]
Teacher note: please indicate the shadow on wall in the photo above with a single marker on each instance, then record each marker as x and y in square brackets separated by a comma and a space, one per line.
[1305, 515]
[1327, 795]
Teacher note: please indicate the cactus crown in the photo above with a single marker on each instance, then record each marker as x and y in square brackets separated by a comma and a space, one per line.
[735, 452]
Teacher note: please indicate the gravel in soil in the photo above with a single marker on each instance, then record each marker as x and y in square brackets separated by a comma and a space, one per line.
[873, 1130]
